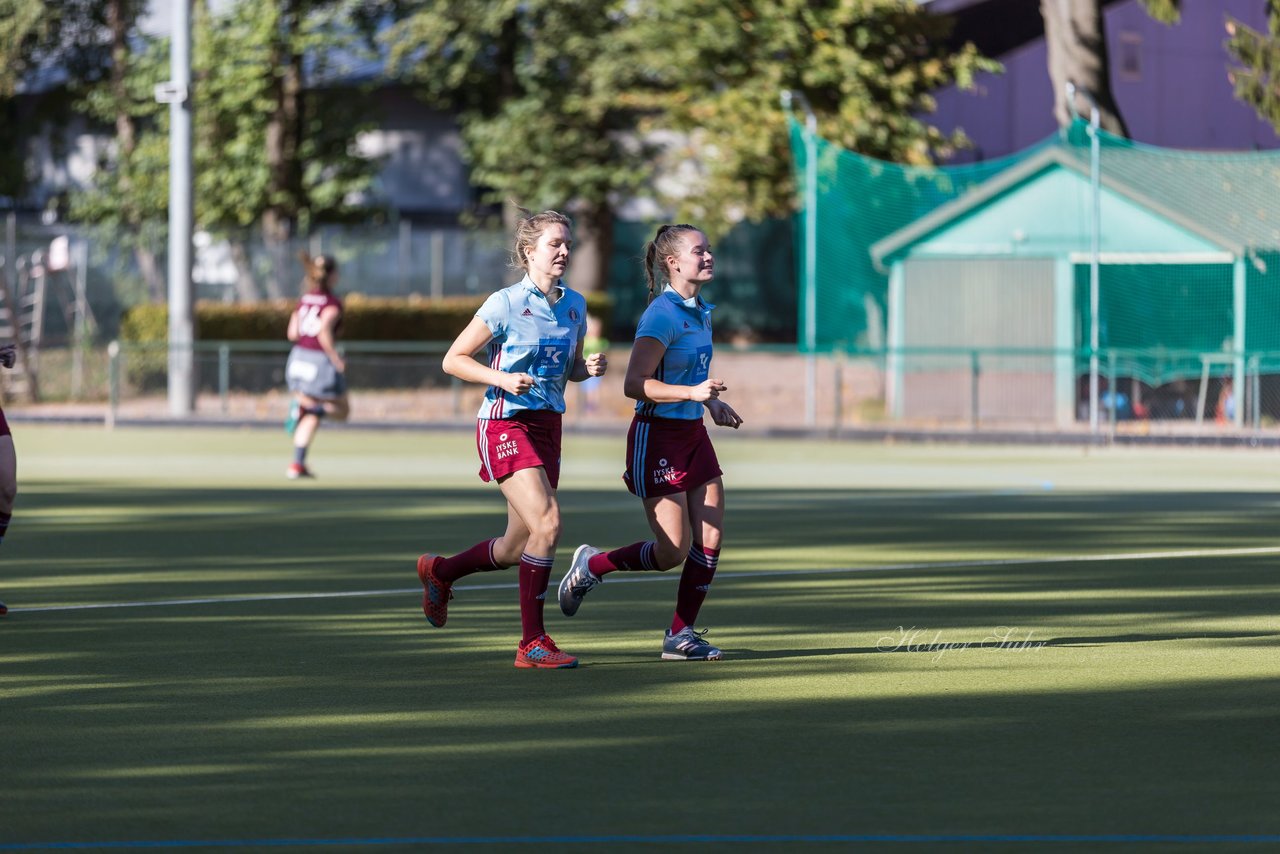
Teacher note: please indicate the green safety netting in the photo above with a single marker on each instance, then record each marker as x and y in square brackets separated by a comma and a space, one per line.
[1188, 266]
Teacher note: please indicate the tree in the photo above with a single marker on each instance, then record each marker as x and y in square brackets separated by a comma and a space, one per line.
[76, 40]
[267, 152]
[867, 67]
[1256, 77]
[542, 92]
[1076, 40]
[561, 101]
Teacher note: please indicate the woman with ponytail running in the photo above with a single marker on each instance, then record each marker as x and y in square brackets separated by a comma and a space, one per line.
[671, 465]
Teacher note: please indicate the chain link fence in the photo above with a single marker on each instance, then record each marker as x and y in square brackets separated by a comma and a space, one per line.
[953, 391]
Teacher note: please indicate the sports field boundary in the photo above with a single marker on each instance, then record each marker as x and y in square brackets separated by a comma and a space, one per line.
[651, 839]
[1198, 439]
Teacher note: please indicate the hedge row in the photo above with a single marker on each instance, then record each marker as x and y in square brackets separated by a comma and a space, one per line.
[364, 319]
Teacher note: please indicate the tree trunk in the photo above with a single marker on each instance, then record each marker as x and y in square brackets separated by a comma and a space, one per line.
[150, 272]
[246, 285]
[592, 247]
[118, 22]
[282, 142]
[1076, 38]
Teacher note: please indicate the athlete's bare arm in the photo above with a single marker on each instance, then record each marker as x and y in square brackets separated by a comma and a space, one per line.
[460, 361]
[640, 384]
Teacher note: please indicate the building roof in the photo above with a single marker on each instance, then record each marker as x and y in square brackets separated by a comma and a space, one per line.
[1153, 201]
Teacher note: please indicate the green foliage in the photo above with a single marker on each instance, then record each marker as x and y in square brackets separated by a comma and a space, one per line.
[66, 34]
[23, 26]
[868, 68]
[562, 100]
[133, 186]
[364, 319]
[147, 325]
[1164, 11]
[1257, 76]
[34, 34]
[234, 103]
[543, 91]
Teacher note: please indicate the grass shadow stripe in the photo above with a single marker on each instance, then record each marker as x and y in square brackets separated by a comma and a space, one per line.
[641, 577]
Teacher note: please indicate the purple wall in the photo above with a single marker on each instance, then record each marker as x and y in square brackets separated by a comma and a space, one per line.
[1170, 82]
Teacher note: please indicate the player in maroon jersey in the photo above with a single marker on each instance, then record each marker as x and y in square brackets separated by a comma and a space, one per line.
[315, 371]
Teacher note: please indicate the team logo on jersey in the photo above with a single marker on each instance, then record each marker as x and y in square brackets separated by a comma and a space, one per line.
[665, 473]
[552, 357]
[505, 449]
[686, 324]
[700, 367]
[573, 315]
[526, 313]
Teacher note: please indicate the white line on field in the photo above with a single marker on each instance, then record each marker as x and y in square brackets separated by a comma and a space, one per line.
[658, 576]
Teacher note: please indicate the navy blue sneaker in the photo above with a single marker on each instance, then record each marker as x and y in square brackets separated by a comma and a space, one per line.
[688, 645]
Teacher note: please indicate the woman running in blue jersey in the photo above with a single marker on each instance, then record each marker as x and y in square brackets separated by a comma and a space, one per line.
[671, 464]
[534, 330]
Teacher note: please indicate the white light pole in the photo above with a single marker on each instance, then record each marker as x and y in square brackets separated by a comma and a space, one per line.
[810, 251]
[177, 94]
[1095, 247]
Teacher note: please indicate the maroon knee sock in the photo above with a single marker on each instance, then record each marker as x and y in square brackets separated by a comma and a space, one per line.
[695, 579]
[636, 557]
[534, 574]
[478, 558]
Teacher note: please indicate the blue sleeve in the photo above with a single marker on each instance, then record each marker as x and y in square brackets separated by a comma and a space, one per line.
[495, 312]
[656, 324]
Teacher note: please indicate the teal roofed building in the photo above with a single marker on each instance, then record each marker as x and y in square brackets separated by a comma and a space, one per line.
[989, 295]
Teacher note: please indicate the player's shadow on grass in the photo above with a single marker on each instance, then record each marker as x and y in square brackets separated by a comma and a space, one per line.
[1143, 637]
[932, 646]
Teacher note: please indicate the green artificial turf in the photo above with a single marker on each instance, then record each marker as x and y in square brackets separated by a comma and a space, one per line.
[926, 646]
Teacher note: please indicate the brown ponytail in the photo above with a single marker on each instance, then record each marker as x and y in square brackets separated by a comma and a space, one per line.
[665, 242]
[319, 270]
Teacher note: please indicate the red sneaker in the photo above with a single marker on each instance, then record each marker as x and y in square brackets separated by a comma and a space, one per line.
[543, 652]
[436, 593]
[297, 470]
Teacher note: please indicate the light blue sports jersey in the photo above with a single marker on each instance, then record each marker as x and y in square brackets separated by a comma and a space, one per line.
[686, 332]
[534, 337]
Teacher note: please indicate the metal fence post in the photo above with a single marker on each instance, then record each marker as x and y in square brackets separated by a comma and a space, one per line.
[437, 264]
[1111, 388]
[404, 257]
[1255, 392]
[224, 376]
[113, 383]
[975, 368]
[839, 390]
